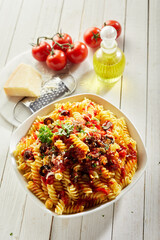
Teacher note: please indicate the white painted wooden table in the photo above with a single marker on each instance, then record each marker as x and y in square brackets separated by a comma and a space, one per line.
[137, 215]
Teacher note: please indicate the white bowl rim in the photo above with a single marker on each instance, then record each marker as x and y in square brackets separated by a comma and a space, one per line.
[94, 209]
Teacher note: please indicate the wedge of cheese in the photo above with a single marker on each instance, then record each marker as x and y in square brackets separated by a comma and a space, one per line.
[24, 81]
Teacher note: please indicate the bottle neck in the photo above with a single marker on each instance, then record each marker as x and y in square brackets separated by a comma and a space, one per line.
[109, 49]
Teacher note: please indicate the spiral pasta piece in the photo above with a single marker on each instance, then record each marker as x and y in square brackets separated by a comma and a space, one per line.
[74, 208]
[60, 145]
[33, 187]
[78, 143]
[72, 192]
[59, 207]
[49, 203]
[85, 188]
[35, 174]
[52, 194]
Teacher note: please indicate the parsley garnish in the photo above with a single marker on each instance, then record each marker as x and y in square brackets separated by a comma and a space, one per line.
[94, 165]
[96, 119]
[90, 157]
[82, 131]
[78, 128]
[61, 132]
[57, 123]
[87, 123]
[65, 130]
[45, 134]
[11, 234]
[103, 215]
[72, 146]
[106, 146]
[42, 156]
[53, 148]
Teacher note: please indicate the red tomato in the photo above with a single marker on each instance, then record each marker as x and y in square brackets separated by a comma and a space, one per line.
[114, 24]
[92, 37]
[77, 53]
[41, 51]
[50, 180]
[62, 38]
[122, 153]
[57, 60]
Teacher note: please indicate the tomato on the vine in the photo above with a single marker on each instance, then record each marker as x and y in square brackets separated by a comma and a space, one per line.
[92, 37]
[61, 38]
[57, 60]
[77, 52]
[115, 24]
[41, 51]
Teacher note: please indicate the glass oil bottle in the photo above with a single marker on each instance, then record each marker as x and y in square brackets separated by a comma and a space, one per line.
[109, 60]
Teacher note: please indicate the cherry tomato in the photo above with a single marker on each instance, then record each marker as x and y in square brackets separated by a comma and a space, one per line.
[77, 53]
[114, 24]
[41, 51]
[57, 60]
[92, 37]
[62, 38]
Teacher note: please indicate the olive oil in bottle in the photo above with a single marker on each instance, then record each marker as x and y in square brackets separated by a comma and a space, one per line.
[109, 60]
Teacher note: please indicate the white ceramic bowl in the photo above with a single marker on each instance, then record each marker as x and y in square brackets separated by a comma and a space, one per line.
[23, 128]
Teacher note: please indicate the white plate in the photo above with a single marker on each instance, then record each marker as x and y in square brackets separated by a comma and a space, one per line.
[23, 128]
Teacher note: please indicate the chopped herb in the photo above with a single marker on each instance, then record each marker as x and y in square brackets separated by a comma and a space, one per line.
[82, 131]
[87, 123]
[103, 215]
[65, 130]
[11, 234]
[90, 157]
[106, 146]
[53, 148]
[94, 125]
[132, 212]
[78, 128]
[45, 134]
[72, 146]
[57, 123]
[42, 156]
[96, 119]
[61, 132]
[94, 165]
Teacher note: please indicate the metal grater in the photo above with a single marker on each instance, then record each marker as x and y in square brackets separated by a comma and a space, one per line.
[46, 98]
[51, 90]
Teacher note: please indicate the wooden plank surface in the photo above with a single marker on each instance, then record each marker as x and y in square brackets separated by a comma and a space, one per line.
[130, 209]
[136, 215]
[152, 184]
[62, 229]
[36, 224]
[112, 94]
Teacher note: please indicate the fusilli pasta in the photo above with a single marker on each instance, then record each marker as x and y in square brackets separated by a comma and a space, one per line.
[77, 157]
